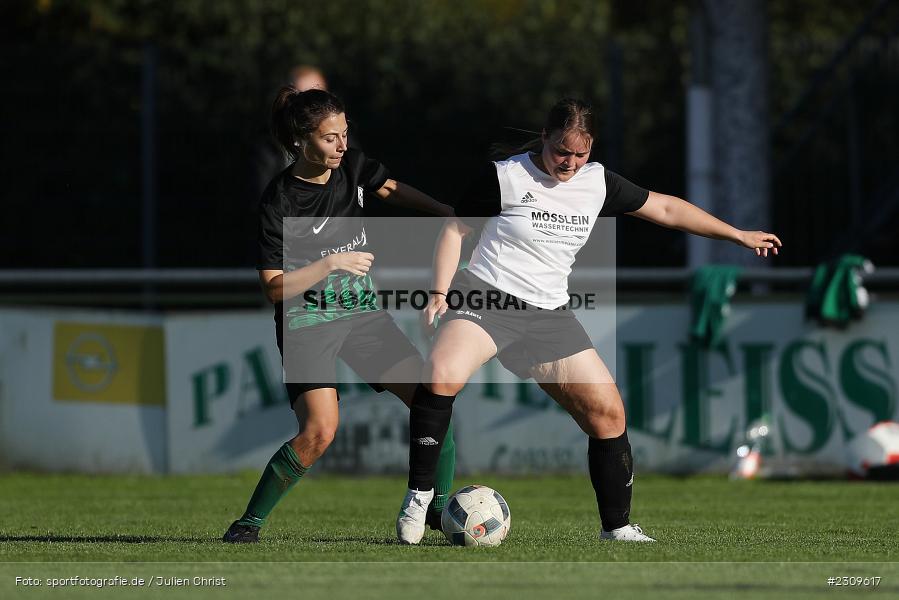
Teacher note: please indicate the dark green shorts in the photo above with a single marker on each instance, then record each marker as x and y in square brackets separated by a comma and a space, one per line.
[370, 343]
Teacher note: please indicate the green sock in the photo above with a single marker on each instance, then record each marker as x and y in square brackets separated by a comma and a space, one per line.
[446, 468]
[281, 473]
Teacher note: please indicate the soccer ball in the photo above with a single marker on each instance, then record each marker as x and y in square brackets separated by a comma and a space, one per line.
[874, 454]
[476, 515]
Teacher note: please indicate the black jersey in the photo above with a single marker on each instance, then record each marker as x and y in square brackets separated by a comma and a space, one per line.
[302, 222]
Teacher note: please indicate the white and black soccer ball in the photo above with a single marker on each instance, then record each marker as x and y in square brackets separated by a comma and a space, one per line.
[476, 515]
[874, 454]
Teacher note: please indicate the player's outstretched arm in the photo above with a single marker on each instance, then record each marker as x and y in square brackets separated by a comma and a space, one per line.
[446, 261]
[400, 194]
[675, 213]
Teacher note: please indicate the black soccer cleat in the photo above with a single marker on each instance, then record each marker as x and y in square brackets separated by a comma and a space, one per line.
[241, 534]
[432, 519]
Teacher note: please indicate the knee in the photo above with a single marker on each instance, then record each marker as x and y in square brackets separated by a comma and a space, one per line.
[318, 436]
[441, 377]
[606, 420]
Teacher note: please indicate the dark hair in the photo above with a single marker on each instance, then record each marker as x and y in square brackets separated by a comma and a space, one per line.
[568, 115]
[297, 114]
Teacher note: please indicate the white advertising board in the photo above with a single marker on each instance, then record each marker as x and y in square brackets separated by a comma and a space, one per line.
[688, 408]
[82, 391]
[196, 393]
[227, 407]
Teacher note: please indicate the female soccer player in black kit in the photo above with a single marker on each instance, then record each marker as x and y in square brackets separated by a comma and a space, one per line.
[537, 210]
[313, 266]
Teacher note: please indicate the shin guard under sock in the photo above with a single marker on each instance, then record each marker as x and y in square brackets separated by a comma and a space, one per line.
[429, 418]
[281, 473]
[612, 475]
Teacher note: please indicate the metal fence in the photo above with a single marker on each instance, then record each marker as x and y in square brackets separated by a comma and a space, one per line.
[161, 289]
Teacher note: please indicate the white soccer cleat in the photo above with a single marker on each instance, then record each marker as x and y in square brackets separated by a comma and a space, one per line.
[410, 523]
[628, 533]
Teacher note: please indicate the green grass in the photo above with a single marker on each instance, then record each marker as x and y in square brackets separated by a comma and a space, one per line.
[722, 527]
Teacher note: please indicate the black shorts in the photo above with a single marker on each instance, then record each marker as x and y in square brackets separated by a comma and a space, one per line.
[371, 344]
[524, 335]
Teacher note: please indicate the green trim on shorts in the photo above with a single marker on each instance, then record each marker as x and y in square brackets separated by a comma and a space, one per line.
[344, 295]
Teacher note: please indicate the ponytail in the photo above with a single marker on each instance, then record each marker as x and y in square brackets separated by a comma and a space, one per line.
[503, 150]
[296, 114]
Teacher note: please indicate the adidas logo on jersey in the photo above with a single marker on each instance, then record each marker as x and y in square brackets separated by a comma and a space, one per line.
[528, 198]
[426, 441]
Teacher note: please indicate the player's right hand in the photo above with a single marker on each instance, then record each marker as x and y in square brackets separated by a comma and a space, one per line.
[432, 312]
[760, 241]
[357, 263]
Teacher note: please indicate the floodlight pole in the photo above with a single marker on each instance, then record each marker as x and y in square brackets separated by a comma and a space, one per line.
[148, 165]
[700, 157]
[738, 67]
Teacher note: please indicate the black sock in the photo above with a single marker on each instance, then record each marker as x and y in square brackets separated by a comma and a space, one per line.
[429, 419]
[612, 476]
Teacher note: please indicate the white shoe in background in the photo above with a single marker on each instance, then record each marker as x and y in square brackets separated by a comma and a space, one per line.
[628, 533]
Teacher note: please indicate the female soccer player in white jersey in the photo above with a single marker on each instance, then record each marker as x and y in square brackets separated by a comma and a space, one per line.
[321, 247]
[524, 265]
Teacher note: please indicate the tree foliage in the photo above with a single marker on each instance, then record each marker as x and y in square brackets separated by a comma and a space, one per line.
[429, 84]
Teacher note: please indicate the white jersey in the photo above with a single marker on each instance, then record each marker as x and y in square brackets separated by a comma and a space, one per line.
[528, 249]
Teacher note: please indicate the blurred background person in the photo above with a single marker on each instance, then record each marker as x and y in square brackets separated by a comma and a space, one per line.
[267, 157]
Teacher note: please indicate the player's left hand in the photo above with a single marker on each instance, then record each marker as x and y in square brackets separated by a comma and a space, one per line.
[760, 241]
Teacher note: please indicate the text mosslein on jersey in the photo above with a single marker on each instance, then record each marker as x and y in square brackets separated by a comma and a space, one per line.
[549, 220]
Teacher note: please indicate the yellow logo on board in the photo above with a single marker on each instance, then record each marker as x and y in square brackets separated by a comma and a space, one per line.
[120, 364]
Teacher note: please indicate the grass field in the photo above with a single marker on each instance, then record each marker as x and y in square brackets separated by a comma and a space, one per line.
[334, 535]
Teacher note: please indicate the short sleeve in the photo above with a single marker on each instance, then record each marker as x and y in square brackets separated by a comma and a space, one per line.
[622, 196]
[370, 174]
[482, 197]
[270, 237]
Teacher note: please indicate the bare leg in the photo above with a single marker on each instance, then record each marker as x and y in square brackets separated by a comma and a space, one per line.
[317, 419]
[584, 387]
[460, 349]
[402, 379]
